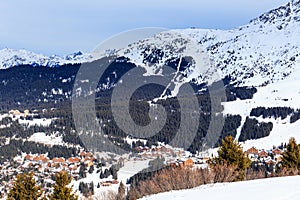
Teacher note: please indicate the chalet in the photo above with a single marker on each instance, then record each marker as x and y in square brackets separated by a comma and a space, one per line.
[39, 158]
[45, 160]
[278, 158]
[205, 159]
[181, 164]
[39, 168]
[82, 154]
[89, 154]
[73, 167]
[28, 157]
[89, 159]
[164, 149]
[263, 154]
[138, 149]
[252, 151]
[146, 149]
[188, 163]
[154, 149]
[90, 163]
[270, 162]
[58, 160]
[106, 183]
[26, 113]
[14, 112]
[55, 165]
[276, 151]
[74, 160]
[18, 160]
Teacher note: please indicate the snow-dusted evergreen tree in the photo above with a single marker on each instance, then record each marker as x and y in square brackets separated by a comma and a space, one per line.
[25, 187]
[61, 190]
[291, 156]
[230, 153]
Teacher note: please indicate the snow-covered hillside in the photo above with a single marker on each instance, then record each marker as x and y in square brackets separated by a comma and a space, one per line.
[284, 93]
[284, 188]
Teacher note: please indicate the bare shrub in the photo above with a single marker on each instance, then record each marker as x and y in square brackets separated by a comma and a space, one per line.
[106, 195]
[178, 178]
[288, 172]
[253, 174]
[224, 173]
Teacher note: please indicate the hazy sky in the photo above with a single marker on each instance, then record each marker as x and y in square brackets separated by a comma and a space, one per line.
[62, 27]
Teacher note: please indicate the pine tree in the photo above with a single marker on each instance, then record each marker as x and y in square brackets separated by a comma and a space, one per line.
[82, 169]
[91, 169]
[61, 189]
[121, 192]
[231, 153]
[291, 157]
[25, 187]
[92, 192]
[101, 175]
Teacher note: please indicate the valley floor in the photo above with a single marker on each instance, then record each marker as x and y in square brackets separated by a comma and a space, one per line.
[283, 188]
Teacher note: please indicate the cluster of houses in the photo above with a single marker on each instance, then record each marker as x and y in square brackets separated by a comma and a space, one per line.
[182, 163]
[147, 152]
[26, 112]
[43, 163]
[175, 157]
[19, 113]
[44, 168]
[269, 157]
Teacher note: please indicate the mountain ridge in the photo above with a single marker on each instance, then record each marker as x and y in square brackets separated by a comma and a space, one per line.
[12, 58]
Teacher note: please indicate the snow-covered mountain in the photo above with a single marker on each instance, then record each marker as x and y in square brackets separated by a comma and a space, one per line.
[263, 53]
[11, 57]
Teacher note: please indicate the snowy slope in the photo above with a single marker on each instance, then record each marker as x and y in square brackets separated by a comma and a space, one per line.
[284, 188]
[272, 95]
